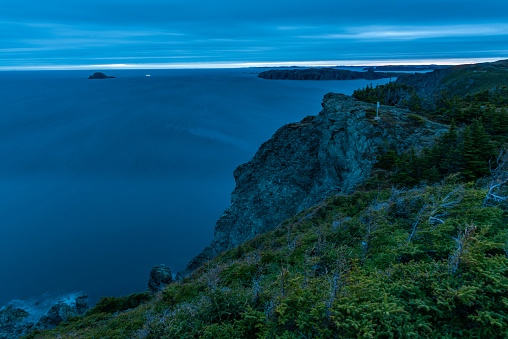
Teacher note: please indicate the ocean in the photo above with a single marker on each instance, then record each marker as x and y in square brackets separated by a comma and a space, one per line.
[102, 179]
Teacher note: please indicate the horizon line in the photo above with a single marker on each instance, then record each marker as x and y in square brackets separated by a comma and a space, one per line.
[230, 65]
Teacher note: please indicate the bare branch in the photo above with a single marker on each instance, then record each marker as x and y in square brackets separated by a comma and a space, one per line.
[463, 241]
[498, 180]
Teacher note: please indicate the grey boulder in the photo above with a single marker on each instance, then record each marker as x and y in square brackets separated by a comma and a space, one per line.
[160, 277]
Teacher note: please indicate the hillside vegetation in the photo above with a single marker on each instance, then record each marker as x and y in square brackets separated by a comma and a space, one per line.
[424, 262]
[478, 120]
[486, 82]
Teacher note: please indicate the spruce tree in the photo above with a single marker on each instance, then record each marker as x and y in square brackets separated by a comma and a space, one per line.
[450, 151]
[478, 151]
[503, 123]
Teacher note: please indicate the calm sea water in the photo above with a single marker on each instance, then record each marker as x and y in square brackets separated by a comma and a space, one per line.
[102, 179]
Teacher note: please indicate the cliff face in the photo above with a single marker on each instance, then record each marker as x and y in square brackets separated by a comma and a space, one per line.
[305, 162]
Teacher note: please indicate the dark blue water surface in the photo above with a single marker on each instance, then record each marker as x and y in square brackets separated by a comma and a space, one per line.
[102, 179]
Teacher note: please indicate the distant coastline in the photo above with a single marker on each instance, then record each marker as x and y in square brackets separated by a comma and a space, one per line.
[406, 68]
[323, 74]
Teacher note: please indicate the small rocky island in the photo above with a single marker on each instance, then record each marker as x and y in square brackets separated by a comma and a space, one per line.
[323, 74]
[99, 75]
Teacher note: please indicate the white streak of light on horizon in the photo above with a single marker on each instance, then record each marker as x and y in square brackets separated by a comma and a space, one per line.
[218, 65]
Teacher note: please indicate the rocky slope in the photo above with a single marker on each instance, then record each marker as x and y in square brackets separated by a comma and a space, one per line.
[323, 74]
[305, 162]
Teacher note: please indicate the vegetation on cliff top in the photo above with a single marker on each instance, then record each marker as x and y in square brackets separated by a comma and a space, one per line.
[468, 79]
[478, 126]
[450, 88]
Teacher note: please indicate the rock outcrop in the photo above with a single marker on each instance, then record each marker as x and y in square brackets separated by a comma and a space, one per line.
[160, 277]
[323, 74]
[17, 321]
[63, 310]
[305, 162]
[13, 322]
[99, 75]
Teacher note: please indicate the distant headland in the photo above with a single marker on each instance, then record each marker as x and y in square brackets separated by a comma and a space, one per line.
[406, 68]
[323, 74]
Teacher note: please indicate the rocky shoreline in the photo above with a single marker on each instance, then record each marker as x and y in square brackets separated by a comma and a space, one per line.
[20, 318]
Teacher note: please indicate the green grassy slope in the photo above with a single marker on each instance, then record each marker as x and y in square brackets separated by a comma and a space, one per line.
[420, 263]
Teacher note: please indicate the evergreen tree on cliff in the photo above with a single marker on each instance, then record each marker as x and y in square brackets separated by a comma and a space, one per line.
[478, 151]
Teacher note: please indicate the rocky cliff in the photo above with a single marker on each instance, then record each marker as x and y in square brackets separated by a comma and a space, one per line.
[305, 162]
[323, 74]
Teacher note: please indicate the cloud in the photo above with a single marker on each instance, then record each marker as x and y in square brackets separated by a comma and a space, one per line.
[388, 33]
[292, 28]
[116, 34]
[231, 31]
[25, 49]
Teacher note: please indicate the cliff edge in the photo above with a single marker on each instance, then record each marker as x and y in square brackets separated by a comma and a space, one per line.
[305, 162]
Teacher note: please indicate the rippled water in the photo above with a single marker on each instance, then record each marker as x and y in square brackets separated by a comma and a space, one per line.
[102, 179]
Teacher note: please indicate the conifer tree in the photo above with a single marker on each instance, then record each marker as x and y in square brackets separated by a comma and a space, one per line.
[414, 102]
[473, 112]
[478, 151]
[450, 151]
[502, 123]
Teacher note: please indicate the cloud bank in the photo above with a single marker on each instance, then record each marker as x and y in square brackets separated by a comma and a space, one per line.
[56, 33]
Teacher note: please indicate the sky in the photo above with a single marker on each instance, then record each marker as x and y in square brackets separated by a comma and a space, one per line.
[82, 34]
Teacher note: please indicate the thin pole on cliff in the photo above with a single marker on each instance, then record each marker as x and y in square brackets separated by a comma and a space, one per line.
[377, 113]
